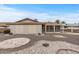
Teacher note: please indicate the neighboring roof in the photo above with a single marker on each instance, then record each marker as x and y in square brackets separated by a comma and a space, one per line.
[27, 19]
[72, 25]
[3, 24]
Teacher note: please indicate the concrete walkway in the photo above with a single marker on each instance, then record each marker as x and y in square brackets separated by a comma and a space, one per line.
[71, 33]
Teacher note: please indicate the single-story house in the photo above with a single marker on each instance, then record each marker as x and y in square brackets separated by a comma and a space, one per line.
[29, 26]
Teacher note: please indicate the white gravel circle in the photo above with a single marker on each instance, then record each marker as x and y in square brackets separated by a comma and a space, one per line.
[14, 42]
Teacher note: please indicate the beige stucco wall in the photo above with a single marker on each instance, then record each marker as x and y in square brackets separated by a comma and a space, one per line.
[26, 29]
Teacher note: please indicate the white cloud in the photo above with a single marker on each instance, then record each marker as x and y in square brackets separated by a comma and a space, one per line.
[12, 14]
[6, 8]
[8, 14]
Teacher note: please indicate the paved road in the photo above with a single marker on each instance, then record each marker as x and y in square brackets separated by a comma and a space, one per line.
[74, 39]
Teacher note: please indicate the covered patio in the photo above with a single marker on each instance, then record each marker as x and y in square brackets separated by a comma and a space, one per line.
[52, 27]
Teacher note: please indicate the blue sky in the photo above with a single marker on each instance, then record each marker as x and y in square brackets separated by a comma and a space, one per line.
[43, 12]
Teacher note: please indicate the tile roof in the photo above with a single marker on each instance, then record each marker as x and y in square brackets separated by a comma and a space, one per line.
[27, 19]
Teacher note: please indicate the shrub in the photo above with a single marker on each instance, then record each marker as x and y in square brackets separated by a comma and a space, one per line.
[45, 44]
[39, 33]
[7, 31]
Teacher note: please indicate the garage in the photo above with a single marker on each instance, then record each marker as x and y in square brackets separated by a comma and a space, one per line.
[26, 29]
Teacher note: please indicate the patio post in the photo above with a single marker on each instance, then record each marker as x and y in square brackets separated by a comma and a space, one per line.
[45, 28]
[71, 28]
[54, 28]
[63, 28]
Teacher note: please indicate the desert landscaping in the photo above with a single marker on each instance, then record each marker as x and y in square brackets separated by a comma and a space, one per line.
[54, 43]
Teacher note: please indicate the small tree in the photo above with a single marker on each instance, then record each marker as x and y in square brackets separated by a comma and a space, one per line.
[57, 21]
[63, 22]
[36, 20]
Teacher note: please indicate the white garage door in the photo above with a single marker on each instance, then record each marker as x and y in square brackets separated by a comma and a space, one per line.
[26, 29]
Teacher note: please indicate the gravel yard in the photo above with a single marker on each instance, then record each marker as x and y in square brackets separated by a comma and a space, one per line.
[57, 43]
[53, 47]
